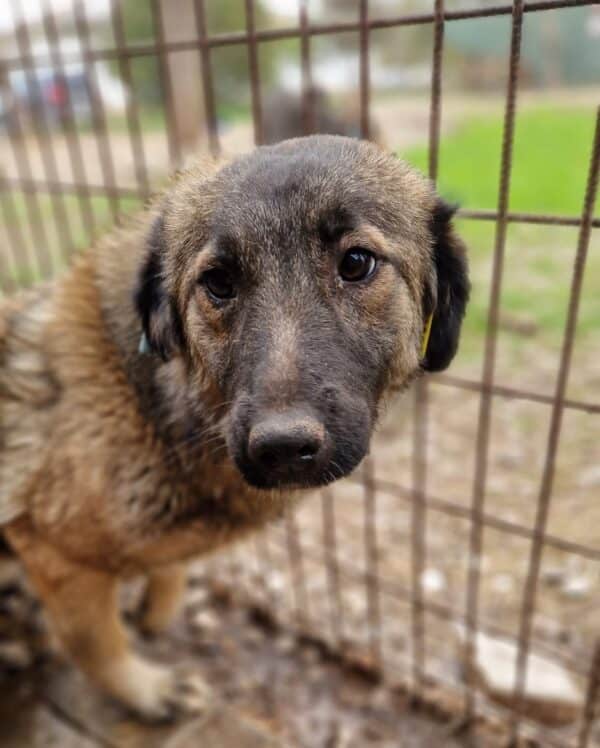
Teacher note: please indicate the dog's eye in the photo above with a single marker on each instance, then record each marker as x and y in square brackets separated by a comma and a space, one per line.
[219, 284]
[357, 264]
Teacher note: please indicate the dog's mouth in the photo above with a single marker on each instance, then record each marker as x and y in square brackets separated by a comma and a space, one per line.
[284, 478]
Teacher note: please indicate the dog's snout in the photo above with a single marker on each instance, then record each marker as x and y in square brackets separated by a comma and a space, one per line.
[286, 445]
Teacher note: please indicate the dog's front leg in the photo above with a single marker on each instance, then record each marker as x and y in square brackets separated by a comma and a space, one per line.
[162, 598]
[82, 606]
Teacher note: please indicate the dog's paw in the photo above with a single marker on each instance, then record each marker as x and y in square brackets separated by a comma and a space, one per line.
[188, 693]
[170, 694]
[158, 693]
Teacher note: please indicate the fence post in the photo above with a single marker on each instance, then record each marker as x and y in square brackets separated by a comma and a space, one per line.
[179, 24]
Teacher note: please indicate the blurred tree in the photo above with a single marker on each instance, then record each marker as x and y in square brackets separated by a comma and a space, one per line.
[231, 72]
[394, 47]
[559, 47]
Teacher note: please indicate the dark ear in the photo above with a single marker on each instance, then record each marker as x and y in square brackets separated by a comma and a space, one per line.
[160, 320]
[449, 298]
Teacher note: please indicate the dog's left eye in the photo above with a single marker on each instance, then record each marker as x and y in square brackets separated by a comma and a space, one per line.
[219, 284]
[357, 264]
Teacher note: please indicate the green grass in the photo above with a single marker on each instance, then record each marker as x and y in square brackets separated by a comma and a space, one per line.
[550, 167]
[550, 161]
[26, 272]
[538, 266]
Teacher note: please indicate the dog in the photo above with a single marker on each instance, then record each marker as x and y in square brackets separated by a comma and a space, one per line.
[190, 376]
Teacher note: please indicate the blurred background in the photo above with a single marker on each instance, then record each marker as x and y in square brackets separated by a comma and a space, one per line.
[101, 100]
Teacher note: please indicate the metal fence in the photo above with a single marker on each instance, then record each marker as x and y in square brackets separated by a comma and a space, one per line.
[34, 207]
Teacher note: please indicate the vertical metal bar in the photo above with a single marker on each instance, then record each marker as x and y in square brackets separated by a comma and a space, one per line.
[68, 123]
[435, 111]
[132, 108]
[165, 84]
[372, 564]
[309, 124]
[99, 120]
[364, 70]
[420, 442]
[297, 569]
[257, 117]
[333, 571]
[591, 700]
[41, 130]
[207, 79]
[418, 550]
[545, 494]
[41, 260]
[485, 403]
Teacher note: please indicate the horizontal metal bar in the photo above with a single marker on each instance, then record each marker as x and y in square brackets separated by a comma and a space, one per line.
[447, 380]
[460, 511]
[355, 573]
[269, 35]
[41, 185]
[539, 218]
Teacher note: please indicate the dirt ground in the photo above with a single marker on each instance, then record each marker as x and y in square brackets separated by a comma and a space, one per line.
[270, 688]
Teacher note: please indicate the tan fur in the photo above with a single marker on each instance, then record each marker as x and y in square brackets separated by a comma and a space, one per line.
[65, 478]
[94, 487]
[162, 598]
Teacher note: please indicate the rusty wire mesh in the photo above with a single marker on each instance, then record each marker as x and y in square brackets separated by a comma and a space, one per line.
[27, 257]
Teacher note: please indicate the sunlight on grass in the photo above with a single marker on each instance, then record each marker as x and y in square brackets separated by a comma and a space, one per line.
[552, 149]
[536, 283]
[551, 160]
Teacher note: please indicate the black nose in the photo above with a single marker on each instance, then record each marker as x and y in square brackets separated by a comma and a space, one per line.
[286, 445]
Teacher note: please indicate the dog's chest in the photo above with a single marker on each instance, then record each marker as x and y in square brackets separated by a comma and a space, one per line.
[174, 517]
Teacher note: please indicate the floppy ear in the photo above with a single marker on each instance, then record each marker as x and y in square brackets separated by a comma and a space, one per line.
[449, 298]
[161, 322]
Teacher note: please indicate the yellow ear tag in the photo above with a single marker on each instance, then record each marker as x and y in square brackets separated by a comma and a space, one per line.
[426, 334]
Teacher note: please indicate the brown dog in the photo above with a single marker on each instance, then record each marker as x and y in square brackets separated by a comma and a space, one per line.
[277, 299]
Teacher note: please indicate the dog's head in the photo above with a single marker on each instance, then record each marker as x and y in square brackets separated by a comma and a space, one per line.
[298, 282]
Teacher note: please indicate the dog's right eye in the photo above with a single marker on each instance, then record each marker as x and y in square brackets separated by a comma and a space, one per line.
[219, 284]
